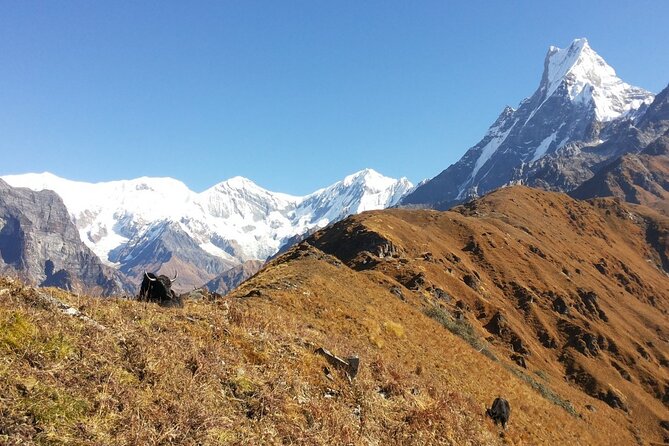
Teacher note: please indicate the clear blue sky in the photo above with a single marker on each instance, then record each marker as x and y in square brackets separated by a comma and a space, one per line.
[291, 94]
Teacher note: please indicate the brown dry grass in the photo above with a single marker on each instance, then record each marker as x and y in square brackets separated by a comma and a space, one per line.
[516, 252]
[213, 373]
[242, 370]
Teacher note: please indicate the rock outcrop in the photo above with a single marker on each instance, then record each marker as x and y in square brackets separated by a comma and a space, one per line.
[40, 244]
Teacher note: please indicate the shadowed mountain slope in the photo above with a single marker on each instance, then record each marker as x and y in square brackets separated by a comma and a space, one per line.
[641, 178]
[40, 244]
[228, 280]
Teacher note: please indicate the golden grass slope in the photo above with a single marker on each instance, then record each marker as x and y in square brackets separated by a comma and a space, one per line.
[242, 369]
[576, 290]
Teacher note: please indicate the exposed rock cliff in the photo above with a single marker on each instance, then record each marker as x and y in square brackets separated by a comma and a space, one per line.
[39, 243]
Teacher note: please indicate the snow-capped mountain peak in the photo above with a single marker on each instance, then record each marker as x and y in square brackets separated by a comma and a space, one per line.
[579, 100]
[357, 177]
[362, 191]
[559, 62]
[240, 183]
[587, 77]
[243, 198]
[237, 182]
[370, 179]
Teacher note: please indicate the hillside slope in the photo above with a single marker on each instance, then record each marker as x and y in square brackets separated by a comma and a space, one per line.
[432, 304]
[573, 289]
[244, 371]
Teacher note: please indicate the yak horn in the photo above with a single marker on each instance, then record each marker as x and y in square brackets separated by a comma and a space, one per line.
[176, 274]
[148, 277]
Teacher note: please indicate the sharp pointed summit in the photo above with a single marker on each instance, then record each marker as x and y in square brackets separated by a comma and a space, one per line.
[579, 101]
[586, 77]
[561, 63]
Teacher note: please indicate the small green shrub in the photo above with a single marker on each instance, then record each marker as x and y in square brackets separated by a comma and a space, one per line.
[461, 328]
[544, 391]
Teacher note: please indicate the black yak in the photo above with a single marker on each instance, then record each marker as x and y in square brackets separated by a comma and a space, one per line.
[159, 289]
[500, 411]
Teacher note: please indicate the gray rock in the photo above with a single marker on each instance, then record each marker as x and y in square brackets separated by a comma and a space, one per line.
[40, 244]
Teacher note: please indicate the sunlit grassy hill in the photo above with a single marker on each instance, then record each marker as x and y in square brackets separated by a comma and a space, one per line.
[244, 369]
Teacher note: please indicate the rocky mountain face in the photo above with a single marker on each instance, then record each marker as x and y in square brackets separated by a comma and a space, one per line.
[655, 121]
[641, 178]
[40, 244]
[571, 292]
[159, 224]
[169, 249]
[576, 163]
[641, 174]
[580, 102]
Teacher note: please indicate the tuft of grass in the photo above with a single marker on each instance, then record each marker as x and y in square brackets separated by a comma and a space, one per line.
[393, 327]
[59, 347]
[374, 332]
[52, 405]
[241, 385]
[16, 331]
[221, 436]
[19, 335]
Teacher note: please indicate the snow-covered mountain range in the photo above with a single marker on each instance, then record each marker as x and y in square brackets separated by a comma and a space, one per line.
[579, 101]
[152, 222]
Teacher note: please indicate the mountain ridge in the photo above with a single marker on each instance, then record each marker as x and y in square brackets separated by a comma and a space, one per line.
[575, 288]
[229, 223]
